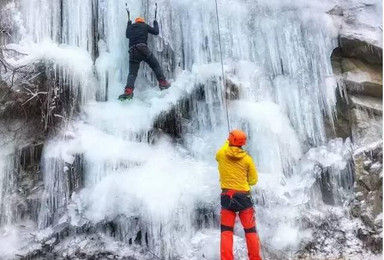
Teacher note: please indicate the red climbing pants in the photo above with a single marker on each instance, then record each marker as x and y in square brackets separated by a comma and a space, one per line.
[231, 203]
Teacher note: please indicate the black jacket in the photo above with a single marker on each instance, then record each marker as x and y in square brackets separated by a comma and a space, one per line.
[138, 32]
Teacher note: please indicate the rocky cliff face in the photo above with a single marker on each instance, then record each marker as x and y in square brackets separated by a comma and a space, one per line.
[357, 63]
[33, 105]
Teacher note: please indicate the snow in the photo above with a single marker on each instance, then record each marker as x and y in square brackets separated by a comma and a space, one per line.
[363, 20]
[8, 241]
[284, 236]
[76, 63]
[13, 238]
[164, 184]
[333, 154]
[206, 245]
[139, 114]
[271, 139]
[371, 146]
[66, 55]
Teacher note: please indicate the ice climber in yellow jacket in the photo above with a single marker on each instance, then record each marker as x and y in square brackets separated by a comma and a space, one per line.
[237, 174]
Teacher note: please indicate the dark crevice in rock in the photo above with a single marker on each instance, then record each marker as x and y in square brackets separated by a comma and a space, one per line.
[324, 181]
[177, 121]
[335, 185]
[206, 217]
[173, 122]
[341, 123]
[30, 157]
[356, 48]
[76, 174]
[357, 76]
[232, 91]
[367, 88]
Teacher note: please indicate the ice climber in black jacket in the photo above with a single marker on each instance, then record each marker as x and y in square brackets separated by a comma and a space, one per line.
[137, 33]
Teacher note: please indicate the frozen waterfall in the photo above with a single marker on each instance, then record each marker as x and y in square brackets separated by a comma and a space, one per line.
[124, 171]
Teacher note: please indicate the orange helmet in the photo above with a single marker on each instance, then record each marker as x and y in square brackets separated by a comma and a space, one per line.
[140, 20]
[237, 138]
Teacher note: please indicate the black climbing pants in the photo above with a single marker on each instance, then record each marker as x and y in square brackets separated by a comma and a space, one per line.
[137, 54]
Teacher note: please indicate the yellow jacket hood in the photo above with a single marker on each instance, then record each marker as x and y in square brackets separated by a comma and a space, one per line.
[235, 153]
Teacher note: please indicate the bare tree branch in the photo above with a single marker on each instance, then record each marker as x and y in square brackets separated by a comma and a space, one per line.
[33, 94]
[4, 63]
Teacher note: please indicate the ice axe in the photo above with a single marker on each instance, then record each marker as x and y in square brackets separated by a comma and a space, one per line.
[156, 11]
[128, 13]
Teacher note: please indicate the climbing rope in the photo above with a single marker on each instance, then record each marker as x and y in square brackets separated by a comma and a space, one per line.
[222, 68]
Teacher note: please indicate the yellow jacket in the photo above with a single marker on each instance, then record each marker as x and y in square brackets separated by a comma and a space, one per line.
[236, 167]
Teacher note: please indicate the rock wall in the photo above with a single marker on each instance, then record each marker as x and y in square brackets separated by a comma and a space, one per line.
[357, 63]
[368, 204]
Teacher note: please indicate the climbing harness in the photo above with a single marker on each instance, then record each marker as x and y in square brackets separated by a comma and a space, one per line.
[222, 68]
[136, 47]
[231, 194]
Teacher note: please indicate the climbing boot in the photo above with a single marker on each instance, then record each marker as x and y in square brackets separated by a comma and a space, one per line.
[164, 84]
[128, 94]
